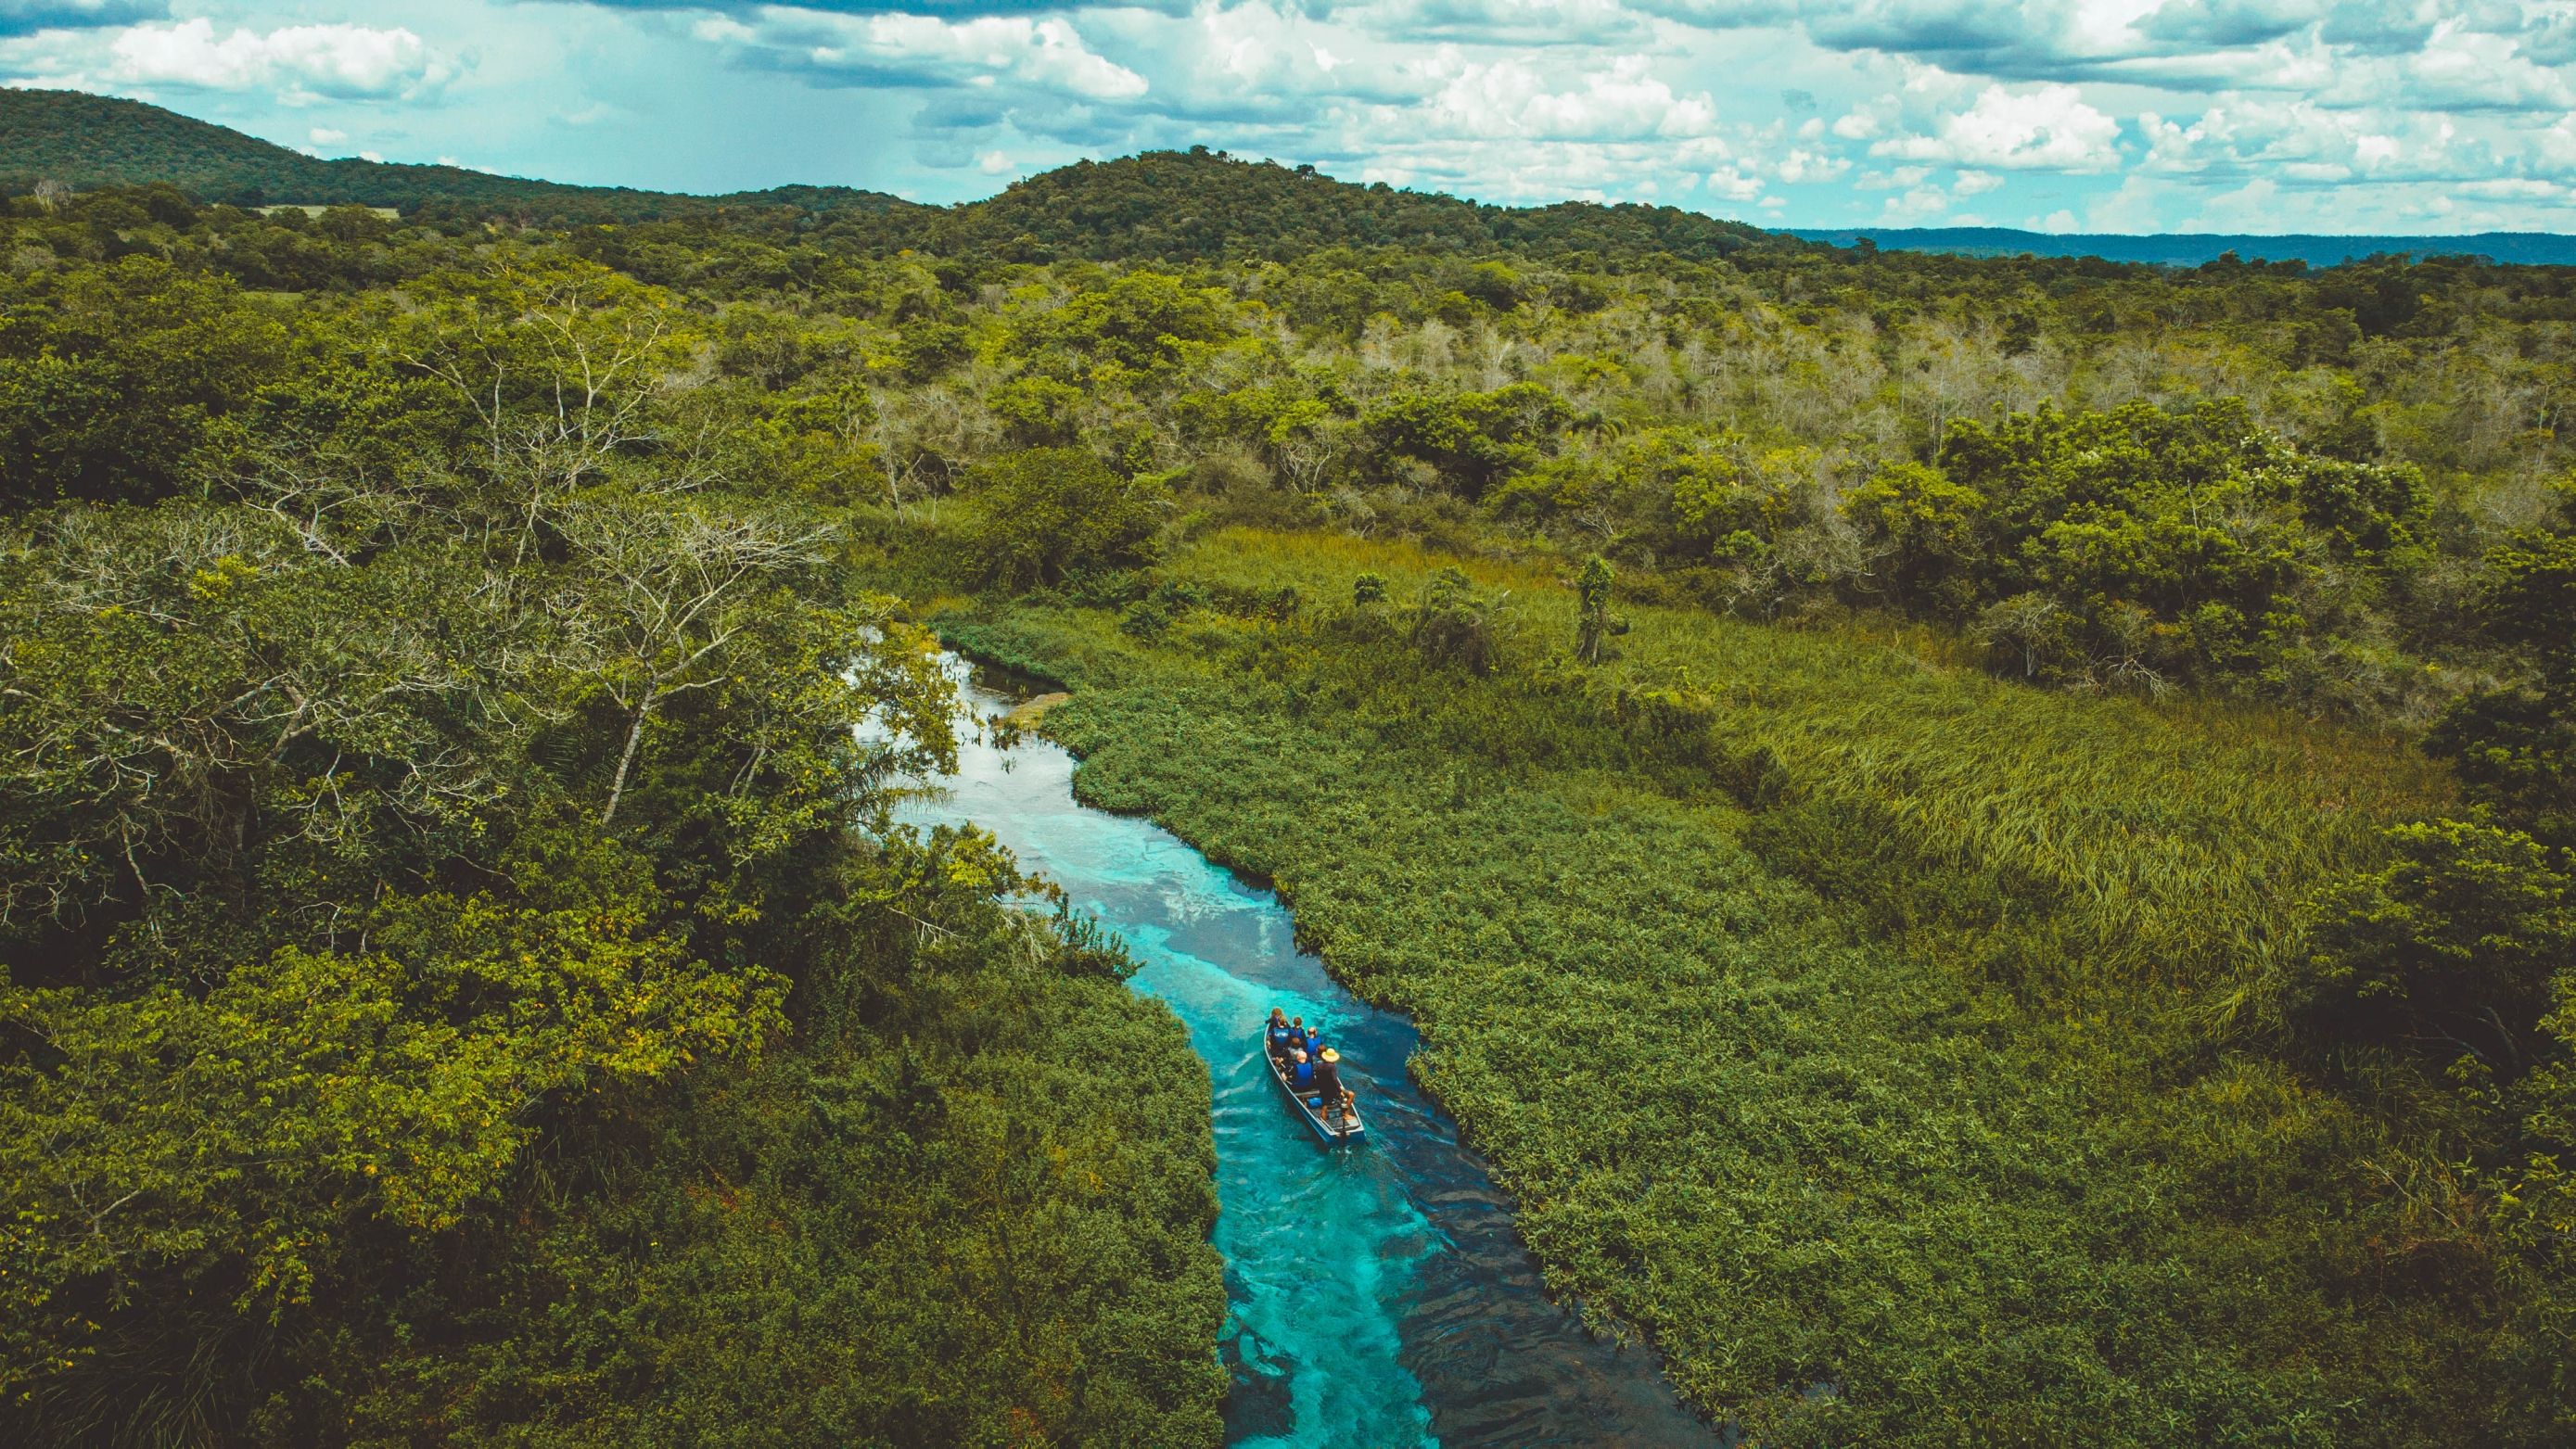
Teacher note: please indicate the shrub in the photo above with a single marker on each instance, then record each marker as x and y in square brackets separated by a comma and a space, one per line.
[1045, 514]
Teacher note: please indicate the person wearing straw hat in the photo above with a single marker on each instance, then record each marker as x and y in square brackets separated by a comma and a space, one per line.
[1328, 1085]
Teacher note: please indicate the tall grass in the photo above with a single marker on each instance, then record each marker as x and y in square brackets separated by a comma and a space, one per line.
[2183, 833]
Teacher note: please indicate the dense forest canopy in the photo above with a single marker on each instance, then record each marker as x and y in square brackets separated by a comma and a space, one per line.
[2112, 723]
[461, 981]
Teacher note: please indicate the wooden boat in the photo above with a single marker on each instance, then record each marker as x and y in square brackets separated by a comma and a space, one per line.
[1346, 1129]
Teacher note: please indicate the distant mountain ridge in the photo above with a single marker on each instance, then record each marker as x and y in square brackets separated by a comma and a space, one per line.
[2191, 249]
[86, 141]
[1162, 205]
[1165, 205]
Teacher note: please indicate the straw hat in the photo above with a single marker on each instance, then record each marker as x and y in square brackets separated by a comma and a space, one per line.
[1331, 1055]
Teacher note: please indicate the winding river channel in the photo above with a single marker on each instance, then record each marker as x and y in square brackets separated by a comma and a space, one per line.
[1378, 1295]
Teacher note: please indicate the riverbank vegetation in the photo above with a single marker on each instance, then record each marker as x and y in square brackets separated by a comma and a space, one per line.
[1799, 1044]
[461, 984]
[1984, 842]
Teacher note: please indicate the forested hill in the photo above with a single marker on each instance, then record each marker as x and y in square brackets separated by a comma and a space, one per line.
[1160, 206]
[1164, 206]
[2191, 249]
[86, 141]
[1172, 205]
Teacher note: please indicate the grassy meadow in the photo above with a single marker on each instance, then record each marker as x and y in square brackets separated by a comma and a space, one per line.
[1867, 1032]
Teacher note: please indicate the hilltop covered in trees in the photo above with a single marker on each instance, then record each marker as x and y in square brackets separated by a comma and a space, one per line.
[1197, 205]
[80, 140]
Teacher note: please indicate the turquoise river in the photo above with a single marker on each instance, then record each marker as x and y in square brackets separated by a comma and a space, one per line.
[1379, 1296]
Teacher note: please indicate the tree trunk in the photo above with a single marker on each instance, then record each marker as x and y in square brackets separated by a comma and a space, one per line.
[625, 761]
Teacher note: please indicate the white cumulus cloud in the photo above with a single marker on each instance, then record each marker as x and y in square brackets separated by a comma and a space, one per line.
[1047, 55]
[2047, 129]
[300, 62]
[1512, 98]
[1803, 164]
[1916, 205]
[1733, 185]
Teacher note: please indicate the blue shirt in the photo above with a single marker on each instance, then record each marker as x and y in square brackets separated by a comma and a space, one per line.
[1303, 1074]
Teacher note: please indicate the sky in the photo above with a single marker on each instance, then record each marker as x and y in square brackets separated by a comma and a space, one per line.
[2360, 116]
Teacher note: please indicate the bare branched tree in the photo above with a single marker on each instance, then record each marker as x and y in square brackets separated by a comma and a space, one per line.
[664, 593]
[563, 382]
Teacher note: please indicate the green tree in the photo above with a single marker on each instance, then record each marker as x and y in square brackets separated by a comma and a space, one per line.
[2515, 745]
[118, 383]
[1045, 514]
[2450, 949]
[1457, 625]
[2178, 546]
[669, 591]
[1473, 438]
[1594, 625]
[1142, 320]
[217, 1153]
[1934, 533]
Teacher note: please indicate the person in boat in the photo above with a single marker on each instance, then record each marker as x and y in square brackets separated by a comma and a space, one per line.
[1297, 1033]
[1278, 1032]
[1328, 1085]
[1301, 1071]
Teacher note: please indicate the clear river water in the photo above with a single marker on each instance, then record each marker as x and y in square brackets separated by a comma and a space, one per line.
[1379, 1298]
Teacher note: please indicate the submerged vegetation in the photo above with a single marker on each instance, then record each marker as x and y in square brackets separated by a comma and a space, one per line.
[1983, 843]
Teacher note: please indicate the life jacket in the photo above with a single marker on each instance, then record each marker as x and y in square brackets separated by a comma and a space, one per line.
[1303, 1074]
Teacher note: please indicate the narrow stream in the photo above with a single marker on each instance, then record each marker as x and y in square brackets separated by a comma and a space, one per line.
[1379, 1297]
